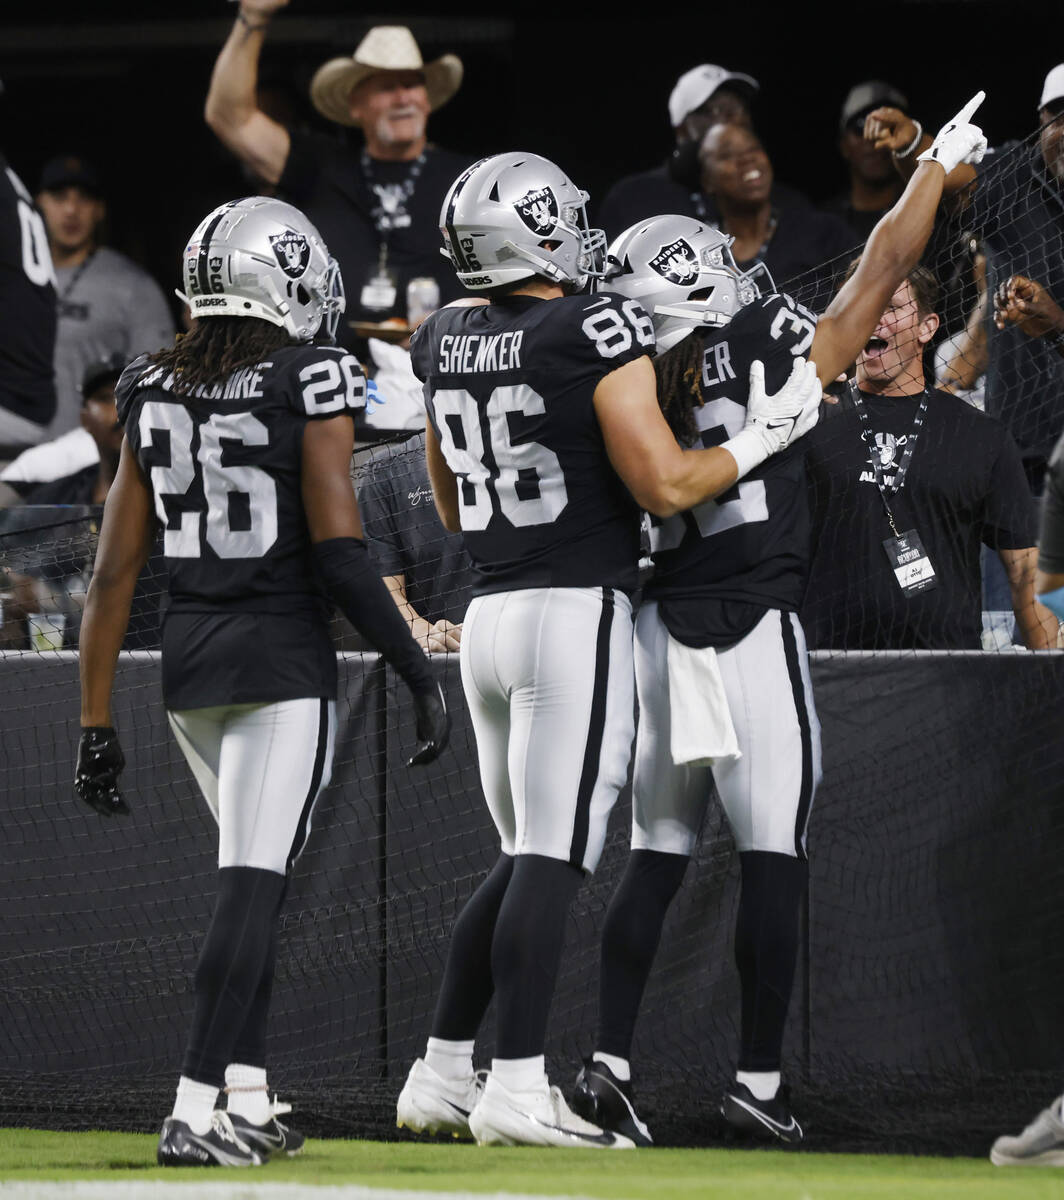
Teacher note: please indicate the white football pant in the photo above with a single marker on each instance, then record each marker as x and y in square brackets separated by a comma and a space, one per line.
[547, 674]
[768, 792]
[261, 768]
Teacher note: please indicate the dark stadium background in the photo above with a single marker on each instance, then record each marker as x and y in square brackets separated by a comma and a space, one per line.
[124, 84]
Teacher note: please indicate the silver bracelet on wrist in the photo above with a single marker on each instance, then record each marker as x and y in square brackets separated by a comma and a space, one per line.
[913, 144]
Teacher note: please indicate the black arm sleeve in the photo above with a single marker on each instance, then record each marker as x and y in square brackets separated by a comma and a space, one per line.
[349, 576]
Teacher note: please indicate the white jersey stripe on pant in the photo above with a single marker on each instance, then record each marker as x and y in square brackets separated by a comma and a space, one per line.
[547, 674]
[596, 727]
[261, 768]
[801, 690]
[767, 794]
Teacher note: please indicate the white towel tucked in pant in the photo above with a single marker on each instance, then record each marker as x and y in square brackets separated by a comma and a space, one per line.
[701, 723]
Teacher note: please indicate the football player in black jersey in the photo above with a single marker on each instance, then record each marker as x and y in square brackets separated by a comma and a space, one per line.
[238, 445]
[544, 438]
[721, 665]
[27, 319]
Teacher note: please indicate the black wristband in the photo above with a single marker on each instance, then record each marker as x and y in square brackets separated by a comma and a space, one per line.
[352, 580]
[1054, 338]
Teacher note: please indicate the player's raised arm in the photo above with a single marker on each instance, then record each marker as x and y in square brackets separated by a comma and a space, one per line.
[666, 479]
[125, 544]
[894, 247]
[352, 580]
[232, 110]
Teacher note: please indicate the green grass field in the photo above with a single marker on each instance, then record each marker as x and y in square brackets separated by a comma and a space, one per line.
[121, 1158]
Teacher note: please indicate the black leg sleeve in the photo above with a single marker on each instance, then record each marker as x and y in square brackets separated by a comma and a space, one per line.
[467, 981]
[250, 1047]
[766, 951]
[230, 968]
[527, 950]
[630, 937]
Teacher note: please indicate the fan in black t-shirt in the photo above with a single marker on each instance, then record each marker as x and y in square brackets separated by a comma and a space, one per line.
[377, 205]
[906, 484]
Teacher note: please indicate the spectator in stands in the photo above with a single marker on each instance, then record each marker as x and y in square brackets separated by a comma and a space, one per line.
[906, 482]
[1026, 304]
[27, 319]
[99, 418]
[58, 582]
[106, 304]
[704, 96]
[378, 207]
[873, 184]
[1017, 208]
[788, 239]
[425, 568]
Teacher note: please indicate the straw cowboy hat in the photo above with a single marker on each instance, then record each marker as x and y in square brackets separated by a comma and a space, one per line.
[384, 48]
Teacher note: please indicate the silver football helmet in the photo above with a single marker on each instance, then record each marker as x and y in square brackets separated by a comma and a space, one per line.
[260, 257]
[682, 272]
[516, 215]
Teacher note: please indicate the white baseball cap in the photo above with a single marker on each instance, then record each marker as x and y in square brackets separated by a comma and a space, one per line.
[1053, 88]
[697, 85]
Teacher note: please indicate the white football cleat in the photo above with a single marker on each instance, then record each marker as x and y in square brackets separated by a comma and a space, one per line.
[537, 1118]
[429, 1103]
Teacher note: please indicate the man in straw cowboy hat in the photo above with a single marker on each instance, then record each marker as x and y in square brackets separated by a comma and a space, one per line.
[377, 208]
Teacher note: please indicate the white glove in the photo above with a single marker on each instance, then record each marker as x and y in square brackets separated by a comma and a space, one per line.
[773, 422]
[958, 141]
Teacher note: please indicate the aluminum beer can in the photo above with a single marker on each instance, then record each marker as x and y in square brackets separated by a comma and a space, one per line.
[422, 298]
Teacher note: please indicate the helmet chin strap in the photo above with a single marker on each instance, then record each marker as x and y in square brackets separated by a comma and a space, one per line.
[693, 314]
[543, 265]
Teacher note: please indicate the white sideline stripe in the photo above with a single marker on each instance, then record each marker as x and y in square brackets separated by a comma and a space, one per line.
[153, 1189]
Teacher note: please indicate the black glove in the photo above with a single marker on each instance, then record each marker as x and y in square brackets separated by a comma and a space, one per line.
[433, 726]
[100, 762]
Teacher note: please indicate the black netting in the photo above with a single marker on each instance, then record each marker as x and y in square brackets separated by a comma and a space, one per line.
[925, 1013]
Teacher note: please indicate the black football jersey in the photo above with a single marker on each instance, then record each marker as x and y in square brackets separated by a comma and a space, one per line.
[509, 391]
[719, 566]
[225, 465]
[27, 305]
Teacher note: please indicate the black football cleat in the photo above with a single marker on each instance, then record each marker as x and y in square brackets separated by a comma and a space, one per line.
[604, 1100]
[218, 1147]
[767, 1120]
[269, 1139]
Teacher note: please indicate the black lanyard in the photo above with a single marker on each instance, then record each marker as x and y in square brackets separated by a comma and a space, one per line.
[902, 469]
[383, 214]
[81, 269]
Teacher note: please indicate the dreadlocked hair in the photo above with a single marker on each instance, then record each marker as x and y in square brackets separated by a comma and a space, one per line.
[679, 372]
[214, 348]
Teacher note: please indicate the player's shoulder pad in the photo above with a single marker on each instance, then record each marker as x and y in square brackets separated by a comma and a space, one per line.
[137, 374]
[785, 325]
[425, 338]
[606, 326]
[320, 381]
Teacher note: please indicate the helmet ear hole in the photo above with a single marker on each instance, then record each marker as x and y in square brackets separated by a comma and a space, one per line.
[302, 295]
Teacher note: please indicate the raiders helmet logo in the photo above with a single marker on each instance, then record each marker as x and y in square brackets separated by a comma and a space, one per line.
[292, 251]
[539, 211]
[676, 262]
